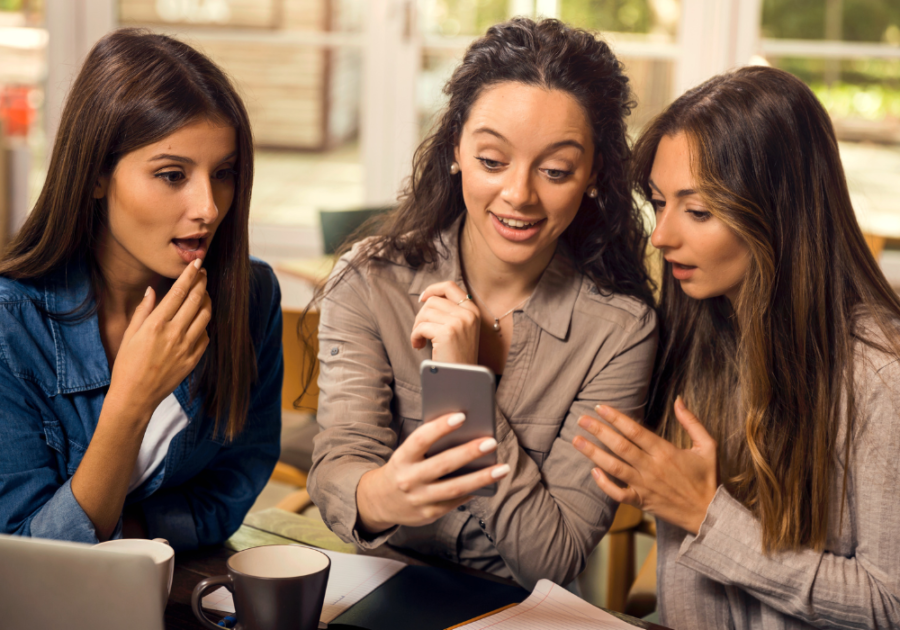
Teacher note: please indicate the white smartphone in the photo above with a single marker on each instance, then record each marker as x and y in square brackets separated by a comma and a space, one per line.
[453, 387]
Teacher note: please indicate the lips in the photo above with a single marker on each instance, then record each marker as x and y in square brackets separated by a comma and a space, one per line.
[516, 229]
[682, 272]
[191, 247]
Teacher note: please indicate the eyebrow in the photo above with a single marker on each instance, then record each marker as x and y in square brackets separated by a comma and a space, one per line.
[685, 192]
[183, 159]
[552, 147]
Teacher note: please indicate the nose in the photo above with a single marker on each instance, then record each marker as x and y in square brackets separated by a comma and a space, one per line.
[665, 234]
[518, 189]
[203, 203]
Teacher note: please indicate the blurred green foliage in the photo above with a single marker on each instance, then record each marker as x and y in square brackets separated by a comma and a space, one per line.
[10, 5]
[846, 100]
[861, 20]
[469, 17]
[624, 16]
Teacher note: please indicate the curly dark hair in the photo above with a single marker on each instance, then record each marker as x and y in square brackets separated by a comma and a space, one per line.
[606, 240]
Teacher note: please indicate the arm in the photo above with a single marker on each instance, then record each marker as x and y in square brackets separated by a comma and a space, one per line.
[860, 587]
[546, 521]
[210, 507]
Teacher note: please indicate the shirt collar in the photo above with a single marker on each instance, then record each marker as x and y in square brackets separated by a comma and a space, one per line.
[81, 362]
[550, 306]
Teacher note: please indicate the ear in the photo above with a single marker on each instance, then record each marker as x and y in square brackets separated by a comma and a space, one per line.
[456, 154]
[101, 187]
[596, 168]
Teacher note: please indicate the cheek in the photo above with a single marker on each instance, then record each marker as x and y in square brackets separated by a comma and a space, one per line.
[224, 197]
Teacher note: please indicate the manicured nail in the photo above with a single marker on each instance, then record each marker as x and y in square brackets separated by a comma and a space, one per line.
[584, 422]
[455, 419]
[488, 445]
[579, 443]
[421, 296]
[596, 473]
[198, 262]
[147, 292]
[499, 473]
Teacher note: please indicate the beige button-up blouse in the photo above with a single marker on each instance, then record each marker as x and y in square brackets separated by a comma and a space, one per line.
[572, 348]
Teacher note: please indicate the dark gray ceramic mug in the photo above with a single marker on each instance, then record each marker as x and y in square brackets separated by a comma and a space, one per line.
[276, 587]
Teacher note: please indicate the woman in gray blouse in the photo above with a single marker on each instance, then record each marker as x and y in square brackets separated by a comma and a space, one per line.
[777, 502]
[517, 246]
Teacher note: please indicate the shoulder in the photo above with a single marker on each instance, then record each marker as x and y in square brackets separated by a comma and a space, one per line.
[626, 312]
[367, 265]
[876, 374]
[18, 291]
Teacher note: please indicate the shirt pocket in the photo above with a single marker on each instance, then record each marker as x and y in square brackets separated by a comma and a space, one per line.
[407, 410]
[536, 435]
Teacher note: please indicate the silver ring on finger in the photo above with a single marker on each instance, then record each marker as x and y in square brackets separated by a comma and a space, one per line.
[465, 299]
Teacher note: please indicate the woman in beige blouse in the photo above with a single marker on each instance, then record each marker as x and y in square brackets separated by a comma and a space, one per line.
[777, 502]
[520, 200]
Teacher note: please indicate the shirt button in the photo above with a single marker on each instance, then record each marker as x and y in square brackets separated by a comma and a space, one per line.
[481, 524]
[489, 537]
[461, 508]
[334, 351]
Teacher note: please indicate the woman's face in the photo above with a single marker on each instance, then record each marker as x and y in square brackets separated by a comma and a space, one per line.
[526, 159]
[707, 257]
[166, 200]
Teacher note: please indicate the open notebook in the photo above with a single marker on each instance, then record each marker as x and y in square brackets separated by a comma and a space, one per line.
[549, 607]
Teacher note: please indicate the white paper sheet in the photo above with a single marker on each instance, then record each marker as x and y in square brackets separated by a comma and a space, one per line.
[351, 578]
[550, 607]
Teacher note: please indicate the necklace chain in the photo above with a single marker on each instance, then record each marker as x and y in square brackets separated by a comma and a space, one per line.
[496, 319]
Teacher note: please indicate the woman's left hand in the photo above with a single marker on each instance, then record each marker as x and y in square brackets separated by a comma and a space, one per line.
[451, 321]
[674, 484]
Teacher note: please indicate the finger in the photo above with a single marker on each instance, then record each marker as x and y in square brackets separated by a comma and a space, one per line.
[176, 296]
[621, 495]
[421, 440]
[618, 444]
[465, 485]
[609, 463]
[192, 303]
[454, 458]
[633, 431]
[692, 425]
[426, 331]
[446, 289]
[438, 316]
[142, 312]
[201, 320]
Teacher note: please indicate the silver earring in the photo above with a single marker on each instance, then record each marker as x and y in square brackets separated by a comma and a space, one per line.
[454, 168]
[592, 192]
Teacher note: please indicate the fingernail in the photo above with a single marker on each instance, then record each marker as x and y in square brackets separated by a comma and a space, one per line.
[499, 473]
[147, 292]
[596, 473]
[203, 271]
[679, 401]
[198, 262]
[488, 445]
[578, 443]
[584, 422]
[603, 410]
[455, 419]
[421, 296]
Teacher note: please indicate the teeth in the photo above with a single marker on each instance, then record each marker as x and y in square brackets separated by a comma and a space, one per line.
[516, 223]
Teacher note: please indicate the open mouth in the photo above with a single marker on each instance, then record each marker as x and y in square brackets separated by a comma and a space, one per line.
[517, 224]
[188, 244]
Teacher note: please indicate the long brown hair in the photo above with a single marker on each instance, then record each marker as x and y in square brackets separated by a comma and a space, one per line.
[779, 362]
[606, 240]
[135, 88]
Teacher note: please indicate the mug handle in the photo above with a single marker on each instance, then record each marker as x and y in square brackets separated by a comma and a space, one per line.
[200, 590]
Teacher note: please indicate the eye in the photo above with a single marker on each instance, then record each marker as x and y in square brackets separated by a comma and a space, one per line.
[225, 174]
[490, 165]
[658, 205]
[699, 215]
[556, 174]
[171, 177]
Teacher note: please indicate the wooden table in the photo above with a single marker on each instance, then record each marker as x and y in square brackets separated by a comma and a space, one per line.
[192, 567]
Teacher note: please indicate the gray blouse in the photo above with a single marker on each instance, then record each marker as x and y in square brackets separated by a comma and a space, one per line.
[722, 579]
[572, 348]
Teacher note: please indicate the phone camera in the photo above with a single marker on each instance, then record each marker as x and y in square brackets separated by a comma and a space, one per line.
[434, 370]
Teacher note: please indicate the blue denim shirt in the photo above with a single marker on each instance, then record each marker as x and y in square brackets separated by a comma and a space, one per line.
[54, 376]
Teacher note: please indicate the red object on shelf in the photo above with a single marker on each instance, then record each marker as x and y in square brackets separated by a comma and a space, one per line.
[16, 109]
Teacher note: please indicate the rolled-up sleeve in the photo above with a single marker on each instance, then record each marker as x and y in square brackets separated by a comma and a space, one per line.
[546, 521]
[354, 412]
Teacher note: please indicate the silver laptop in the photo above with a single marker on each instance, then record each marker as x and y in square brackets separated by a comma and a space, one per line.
[49, 584]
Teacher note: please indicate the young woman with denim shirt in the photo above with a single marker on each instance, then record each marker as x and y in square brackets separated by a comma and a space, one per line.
[140, 346]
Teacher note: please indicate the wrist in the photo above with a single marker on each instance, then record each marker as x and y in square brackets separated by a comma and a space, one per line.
[126, 410]
[369, 517]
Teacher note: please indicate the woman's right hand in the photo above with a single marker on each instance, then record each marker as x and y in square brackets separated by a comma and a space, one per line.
[408, 489]
[162, 345]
